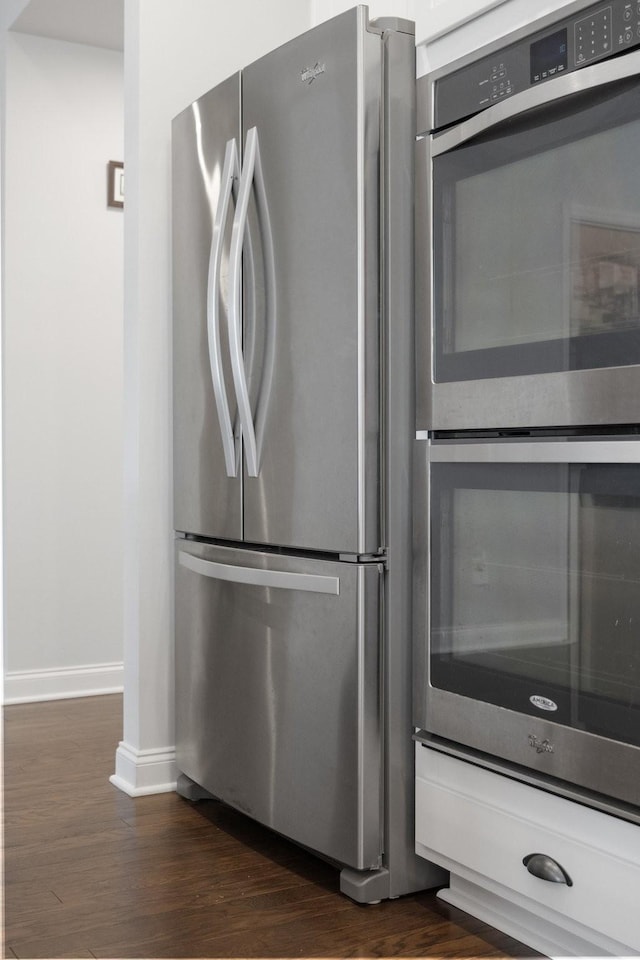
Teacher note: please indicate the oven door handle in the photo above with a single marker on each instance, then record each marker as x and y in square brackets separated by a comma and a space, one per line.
[579, 81]
[533, 451]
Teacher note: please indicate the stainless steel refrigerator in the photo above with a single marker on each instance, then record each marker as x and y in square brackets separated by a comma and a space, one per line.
[293, 416]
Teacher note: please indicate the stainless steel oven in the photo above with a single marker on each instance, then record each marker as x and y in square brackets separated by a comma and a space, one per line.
[528, 607]
[528, 227]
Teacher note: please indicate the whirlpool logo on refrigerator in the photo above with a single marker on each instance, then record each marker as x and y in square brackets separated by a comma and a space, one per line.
[309, 74]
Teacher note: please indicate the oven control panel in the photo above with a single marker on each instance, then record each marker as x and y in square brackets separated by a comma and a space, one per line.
[599, 31]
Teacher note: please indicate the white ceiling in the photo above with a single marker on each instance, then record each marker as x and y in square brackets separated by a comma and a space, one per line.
[99, 23]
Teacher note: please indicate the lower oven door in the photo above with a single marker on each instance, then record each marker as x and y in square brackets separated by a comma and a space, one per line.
[528, 626]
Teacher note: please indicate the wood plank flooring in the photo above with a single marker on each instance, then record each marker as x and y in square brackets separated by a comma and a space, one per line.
[90, 872]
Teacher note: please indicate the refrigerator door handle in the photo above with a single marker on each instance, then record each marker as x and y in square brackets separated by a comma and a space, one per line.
[251, 176]
[266, 239]
[308, 582]
[230, 446]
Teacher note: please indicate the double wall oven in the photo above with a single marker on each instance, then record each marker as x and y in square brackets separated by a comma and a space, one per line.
[528, 406]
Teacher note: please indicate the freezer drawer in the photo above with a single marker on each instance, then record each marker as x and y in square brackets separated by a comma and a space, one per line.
[277, 692]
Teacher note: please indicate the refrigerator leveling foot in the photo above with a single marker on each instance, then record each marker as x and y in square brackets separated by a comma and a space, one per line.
[190, 790]
[365, 886]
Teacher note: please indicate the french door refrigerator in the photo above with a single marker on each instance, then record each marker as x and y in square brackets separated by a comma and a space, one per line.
[293, 413]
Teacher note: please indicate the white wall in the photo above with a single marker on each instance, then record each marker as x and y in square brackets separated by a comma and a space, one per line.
[10, 10]
[324, 9]
[174, 52]
[62, 369]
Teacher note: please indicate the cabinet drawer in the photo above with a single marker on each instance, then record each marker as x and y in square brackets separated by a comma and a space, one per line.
[488, 823]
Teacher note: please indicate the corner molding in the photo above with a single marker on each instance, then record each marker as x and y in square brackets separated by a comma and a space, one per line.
[61, 683]
[140, 773]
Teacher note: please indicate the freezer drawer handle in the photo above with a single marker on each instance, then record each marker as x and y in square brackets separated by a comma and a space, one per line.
[309, 582]
[230, 174]
[251, 176]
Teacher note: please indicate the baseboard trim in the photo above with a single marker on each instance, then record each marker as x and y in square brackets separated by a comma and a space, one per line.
[143, 772]
[557, 940]
[63, 683]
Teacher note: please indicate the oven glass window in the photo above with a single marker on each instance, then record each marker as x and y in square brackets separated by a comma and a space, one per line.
[537, 244]
[535, 601]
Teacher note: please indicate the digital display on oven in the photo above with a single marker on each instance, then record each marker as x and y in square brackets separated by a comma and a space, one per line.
[549, 56]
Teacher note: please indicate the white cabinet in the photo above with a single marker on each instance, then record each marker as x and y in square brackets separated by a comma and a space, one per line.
[449, 29]
[436, 17]
[481, 826]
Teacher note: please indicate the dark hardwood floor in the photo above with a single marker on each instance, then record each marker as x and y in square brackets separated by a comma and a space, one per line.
[90, 872]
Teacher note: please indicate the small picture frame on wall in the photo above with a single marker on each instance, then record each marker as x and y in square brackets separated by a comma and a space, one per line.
[115, 184]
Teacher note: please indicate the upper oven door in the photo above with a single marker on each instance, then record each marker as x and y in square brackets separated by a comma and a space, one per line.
[529, 256]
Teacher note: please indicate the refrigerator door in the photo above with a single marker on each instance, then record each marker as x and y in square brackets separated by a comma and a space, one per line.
[277, 693]
[314, 104]
[206, 145]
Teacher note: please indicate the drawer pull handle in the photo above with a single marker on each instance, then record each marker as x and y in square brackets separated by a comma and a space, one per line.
[542, 866]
